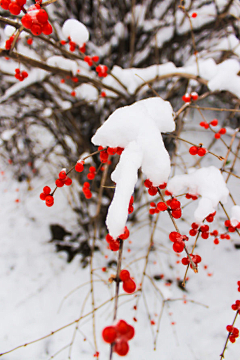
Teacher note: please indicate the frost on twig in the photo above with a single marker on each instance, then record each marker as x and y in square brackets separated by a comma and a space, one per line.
[136, 128]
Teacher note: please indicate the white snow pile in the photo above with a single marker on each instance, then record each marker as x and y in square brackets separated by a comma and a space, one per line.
[136, 128]
[76, 30]
[207, 182]
[63, 63]
[235, 215]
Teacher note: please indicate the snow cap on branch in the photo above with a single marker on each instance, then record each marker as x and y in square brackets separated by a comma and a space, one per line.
[207, 182]
[136, 128]
[76, 30]
[235, 215]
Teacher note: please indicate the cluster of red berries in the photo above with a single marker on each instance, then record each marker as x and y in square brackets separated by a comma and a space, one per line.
[92, 173]
[9, 42]
[197, 150]
[178, 241]
[155, 208]
[36, 20]
[193, 197]
[195, 258]
[236, 306]
[231, 228]
[152, 190]
[104, 153]
[175, 207]
[90, 60]
[234, 333]
[86, 190]
[119, 335]
[20, 75]
[14, 6]
[214, 122]
[114, 244]
[130, 207]
[73, 45]
[45, 196]
[102, 70]
[190, 97]
[129, 285]
[63, 179]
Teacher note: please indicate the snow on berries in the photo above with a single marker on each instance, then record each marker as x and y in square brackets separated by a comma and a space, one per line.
[36, 20]
[190, 97]
[136, 128]
[207, 182]
[76, 32]
[119, 335]
[235, 216]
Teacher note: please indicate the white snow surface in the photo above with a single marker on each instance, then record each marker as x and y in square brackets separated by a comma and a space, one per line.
[76, 30]
[136, 128]
[235, 215]
[207, 182]
[63, 63]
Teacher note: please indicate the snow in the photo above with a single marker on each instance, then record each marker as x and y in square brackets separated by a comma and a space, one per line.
[235, 215]
[207, 182]
[76, 30]
[86, 92]
[136, 128]
[7, 134]
[63, 63]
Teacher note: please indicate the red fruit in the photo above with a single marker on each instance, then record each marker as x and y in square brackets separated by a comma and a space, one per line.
[229, 328]
[214, 122]
[162, 206]
[46, 190]
[125, 235]
[203, 124]
[36, 29]
[30, 41]
[90, 176]
[197, 259]
[129, 286]
[194, 15]
[5, 4]
[176, 214]
[14, 8]
[79, 167]
[109, 238]
[103, 94]
[73, 93]
[111, 151]
[114, 245]
[130, 333]
[59, 183]
[68, 181]
[62, 175]
[95, 58]
[152, 190]
[121, 347]
[175, 236]
[193, 232]
[124, 275]
[217, 136]
[185, 261]
[178, 246]
[88, 60]
[152, 211]
[109, 334]
[42, 196]
[47, 29]
[119, 150]
[222, 131]
[232, 338]
[231, 229]
[63, 42]
[193, 150]
[122, 327]
[204, 228]
[201, 151]
[42, 16]
[210, 218]
[83, 48]
[205, 235]
[227, 223]
[174, 204]
[194, 95]
[216, 241]
[147, 183]
[92, 169]
[168, 193]
[21, 2]
[195, 225]
[27, 21]
[49, 200]
[186, 98]
[162, 186]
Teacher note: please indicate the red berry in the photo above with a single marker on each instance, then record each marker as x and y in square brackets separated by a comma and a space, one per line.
[5, 4]
[109, 334]
[162, 206]
[27, 21]
[175, 236]
[49, 200]
[174, 204]
[232, 338]
[46, 190]
[91, 176]
[201, 151]
[92, 169]
[14, 8]
[36, 29]
[194, 15]
[204, 228]
[122, 327]
[186, 98]
[67, 181]
[193, 150]
[42, 16]
[29, 41]
[59, 183]
[217, 136]
[42, 196]
[162, 186]
[178, 246]
[205, 235]
[73, 93]
[121, 347]
[125, 235]
[119, 150]
[214, 122]
[147, 183]
[152, 190]
[216, 241]
[95, 58]
[194, 95]
[62, 175]
[193, 232]
[103, 94]
[47, 29]
[129, 286]
[130, 333]
[124, 275]
[185, 261]
[79, 167]
[176, 214]
[222, 131]
[195, 225]
[114, 245]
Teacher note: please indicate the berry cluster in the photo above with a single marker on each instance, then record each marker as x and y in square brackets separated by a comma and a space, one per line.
[129, 285]
[236, 306]
[175, 207]
[195, 258]
[190, 97]
[214, 122]
[36, 20]
[104, 153]
[14, 6]
[20, 75]
[234, 333]
[114, 244]
[102, 70]
[178, 241]
[46, 196]
[130, 207]
[9, 42]
[73, 45]
[230, 227]
[190, 196]
[119, 335]
[86, 190]
[92, 173]
[63, 179]
[152, 190]
[90, 60]
[197, 150]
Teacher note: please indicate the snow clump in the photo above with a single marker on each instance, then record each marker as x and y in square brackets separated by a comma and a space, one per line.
[76, 30]
[235, 215]
[136, 128]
